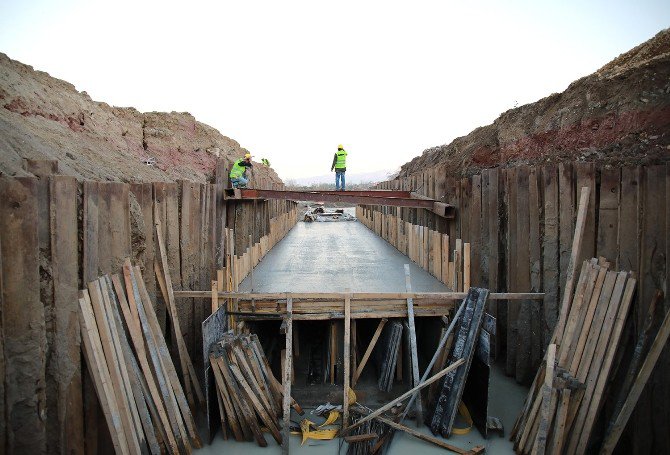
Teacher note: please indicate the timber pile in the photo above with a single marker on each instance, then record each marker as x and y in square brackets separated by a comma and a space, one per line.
[135, 379]
[386, 354]
[249, 396]
[563, 405]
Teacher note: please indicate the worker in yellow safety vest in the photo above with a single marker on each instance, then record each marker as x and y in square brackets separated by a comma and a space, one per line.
[340, 167]
[238, 173]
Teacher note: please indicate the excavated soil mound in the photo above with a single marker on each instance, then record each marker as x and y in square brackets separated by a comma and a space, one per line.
[619, 115]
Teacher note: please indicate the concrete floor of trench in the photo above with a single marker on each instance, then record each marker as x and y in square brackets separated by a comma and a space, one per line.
[334, 257]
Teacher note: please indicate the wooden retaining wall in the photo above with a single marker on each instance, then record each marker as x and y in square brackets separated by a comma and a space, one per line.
[56, 234]
[520, 224]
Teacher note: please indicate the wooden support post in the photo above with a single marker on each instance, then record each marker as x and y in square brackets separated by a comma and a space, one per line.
[286, 432]
[414, 354]
[347, 362]
[368, 351]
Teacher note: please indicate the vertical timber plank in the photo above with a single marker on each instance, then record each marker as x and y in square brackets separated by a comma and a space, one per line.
[22, 317]
[66, 366]
[476, 231]
[608, 223]
[522, 272]
[550, 255]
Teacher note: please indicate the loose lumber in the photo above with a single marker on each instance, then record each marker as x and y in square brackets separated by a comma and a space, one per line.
[414, 353]
[405, 395]
[165, 281]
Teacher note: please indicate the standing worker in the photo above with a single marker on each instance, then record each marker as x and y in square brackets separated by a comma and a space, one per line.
[340, 166]
[238, 173]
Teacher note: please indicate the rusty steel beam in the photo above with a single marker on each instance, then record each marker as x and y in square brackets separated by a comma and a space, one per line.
[387, 198]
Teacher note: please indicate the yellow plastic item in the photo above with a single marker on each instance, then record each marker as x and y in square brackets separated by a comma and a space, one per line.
[465, 413]
[340, 147]
[352, 396]
[332, 417]
[323, 435]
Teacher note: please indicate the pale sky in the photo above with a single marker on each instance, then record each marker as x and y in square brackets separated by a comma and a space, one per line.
[292, 80]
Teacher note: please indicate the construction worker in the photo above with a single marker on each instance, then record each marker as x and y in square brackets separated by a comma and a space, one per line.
[238, 173]
[340, 167]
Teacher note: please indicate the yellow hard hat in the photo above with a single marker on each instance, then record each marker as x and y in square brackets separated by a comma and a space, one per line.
[247, 155]
[340, 147]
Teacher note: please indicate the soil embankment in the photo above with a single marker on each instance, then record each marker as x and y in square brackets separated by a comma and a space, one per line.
[619, 115]
[42, 117]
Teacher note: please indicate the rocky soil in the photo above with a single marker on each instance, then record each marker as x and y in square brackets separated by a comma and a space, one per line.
[42, 117]
[619, 115]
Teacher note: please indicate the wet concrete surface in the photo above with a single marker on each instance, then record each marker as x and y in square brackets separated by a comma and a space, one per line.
[333, 257]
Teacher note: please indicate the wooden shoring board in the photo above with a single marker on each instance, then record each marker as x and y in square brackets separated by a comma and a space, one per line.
[476, 226]
[628, 257]
[168, 366]
[286, 378]
[566, 202]
[650, 433]
[136, 317]
[608, 216]
[189, 243]
[100, 375]
[23, 317]
[521, 312]
[113, 365]
[347, 363]
[445, 259]
[143, 195]
[453, 191]
[604, 373]
[467, 266]
[436, 245]
[167, 214]
[465, 208]
[586, 177]
[535, 261]
[414, 351]
[511, 256]
[645, 372]
[550, 253]
[67, 339]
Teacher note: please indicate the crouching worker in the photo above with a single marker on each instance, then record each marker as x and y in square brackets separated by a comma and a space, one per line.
[238, 173]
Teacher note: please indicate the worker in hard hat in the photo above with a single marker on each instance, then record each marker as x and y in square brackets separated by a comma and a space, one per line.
[238, 173]
[340, 167]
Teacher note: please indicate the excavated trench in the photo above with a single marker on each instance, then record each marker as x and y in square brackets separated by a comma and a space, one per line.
[342, 257]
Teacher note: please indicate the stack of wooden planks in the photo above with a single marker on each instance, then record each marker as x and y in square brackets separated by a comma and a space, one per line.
[135, 379]
[563, 405]
[386, 354]
[250, 397]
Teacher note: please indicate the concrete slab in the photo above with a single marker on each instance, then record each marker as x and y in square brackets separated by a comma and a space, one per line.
[334, 257]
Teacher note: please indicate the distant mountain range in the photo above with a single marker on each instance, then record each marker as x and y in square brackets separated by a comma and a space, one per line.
[353, 178]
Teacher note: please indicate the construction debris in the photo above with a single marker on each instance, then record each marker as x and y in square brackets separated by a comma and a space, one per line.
[250, 397]
[322, 214]
[142, 399]
[562, 407]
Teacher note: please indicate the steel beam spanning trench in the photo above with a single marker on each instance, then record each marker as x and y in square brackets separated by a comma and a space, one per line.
[374, 197]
